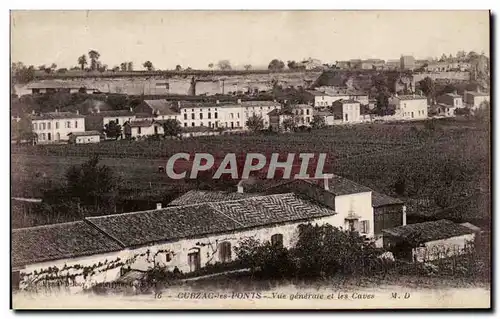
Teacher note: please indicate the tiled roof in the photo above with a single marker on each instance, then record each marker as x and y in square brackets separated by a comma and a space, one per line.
[178, 222]
[86, 133]
[56, 115]
[420, 233]
[379, 199]
[58, 241]
[198, 197]
[347, 101]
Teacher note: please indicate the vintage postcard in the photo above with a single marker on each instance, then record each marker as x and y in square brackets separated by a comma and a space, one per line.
[250, 159]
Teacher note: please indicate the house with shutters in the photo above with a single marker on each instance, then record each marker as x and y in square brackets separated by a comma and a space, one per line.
[54, 127]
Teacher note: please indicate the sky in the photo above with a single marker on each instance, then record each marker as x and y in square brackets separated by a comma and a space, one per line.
[197, 38]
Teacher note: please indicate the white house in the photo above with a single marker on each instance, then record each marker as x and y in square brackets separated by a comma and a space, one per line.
[141, 128]
[87, 137]
[410, 107]
[259, 108]
[303, 114]
[320, 99]
[327, 115]
[348, 110]
[54, 127]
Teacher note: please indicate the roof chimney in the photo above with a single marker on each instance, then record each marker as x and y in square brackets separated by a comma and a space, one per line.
[239, 101]
[240, 187]
[217, 102]
[158, 206]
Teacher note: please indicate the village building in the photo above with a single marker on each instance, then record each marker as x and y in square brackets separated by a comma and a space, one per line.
[54, 127]
[474, 100]
[319, 99]
[429, 241]
[86, 137]
[372, 64]
[348, 110]
[98, 120]
[410, 107]
[327, 115]
[407, 62]
[259, 108]
[303, 114]
[453, 100]
[140, 128]
[278, 117]
[158, 110]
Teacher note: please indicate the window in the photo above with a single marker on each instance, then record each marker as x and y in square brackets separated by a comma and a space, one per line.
[139, 130]
[68, 124]
[201, 116]
[58, 136]
[42, 126]
[346, 117]
[49, 137]
[238, 124]
[43, 136]
[209, 124]
[185, 116]
[192, 124]
[215, 115]
[35, 127]
[76, 124]
[185, 124]
[225, 252]
[301, 112]
[192, 116]
[209, 115]
[48, 126]
[365, 226]
[201, 123]
[308, 119]
[238, 115]
[307, 112]
[277, 240]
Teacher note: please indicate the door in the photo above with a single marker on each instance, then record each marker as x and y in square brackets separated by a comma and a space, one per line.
[49, 137]
[194, 261]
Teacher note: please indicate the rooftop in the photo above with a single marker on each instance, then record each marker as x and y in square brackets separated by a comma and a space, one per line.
[474, 93]
[162, 106]
[419, 233]
[86, 133]
[189, 221]
[58, 241]
[411, 97]
[56, 115]
[198, 197]
[379, 200]
[349, 101]
[140, 123]
[260, 103]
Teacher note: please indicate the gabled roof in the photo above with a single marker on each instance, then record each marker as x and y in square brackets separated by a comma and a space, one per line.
[342, 101]
[419, 233]
[198, 220]
[163, 106]
[59, 241]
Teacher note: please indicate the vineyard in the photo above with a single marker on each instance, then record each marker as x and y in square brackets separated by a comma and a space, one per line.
[445, 165]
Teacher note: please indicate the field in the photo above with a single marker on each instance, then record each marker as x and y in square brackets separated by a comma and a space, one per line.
[449, 160]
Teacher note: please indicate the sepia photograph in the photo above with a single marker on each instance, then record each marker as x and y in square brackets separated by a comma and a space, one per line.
[286, 159]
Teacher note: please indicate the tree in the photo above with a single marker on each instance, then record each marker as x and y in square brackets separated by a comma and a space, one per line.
[82, 61]
[53, 67]
[113, 130]
[42, 67]
[172, 128]
[461, 55]
[148, 65]
[123, 66]
[224, 65]
[428, 88]
[94, 57]
[92, 184]
[255, 123]
[210, 65]
[247, 67]
[318, 122]
[62, 70]
[178, 68]
[276, 65]
[289, 123]
[116, 68]
[130, 66]
[23, 74]
[22, 131]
